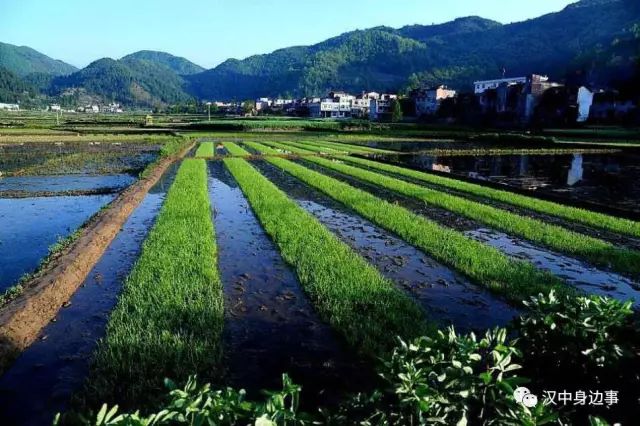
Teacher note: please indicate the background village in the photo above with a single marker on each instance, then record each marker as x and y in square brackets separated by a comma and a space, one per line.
[528, 100]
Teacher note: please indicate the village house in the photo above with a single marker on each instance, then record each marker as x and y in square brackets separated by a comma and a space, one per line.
[336, 105]
[484, 85]
[612, 107]
[427, 101]
[10, 107]
[513, 98]
[380, 109]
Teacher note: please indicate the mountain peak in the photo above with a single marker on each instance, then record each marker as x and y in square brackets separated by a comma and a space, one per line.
[23, 60]
[177, 64]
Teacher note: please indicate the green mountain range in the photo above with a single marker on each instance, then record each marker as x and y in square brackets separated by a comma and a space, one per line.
[382, 59]
[22, 61]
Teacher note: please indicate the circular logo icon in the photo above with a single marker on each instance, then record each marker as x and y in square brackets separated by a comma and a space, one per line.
[520, 393]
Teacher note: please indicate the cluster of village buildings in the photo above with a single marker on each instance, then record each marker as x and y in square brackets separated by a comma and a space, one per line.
[112, 108]
[371, 105]
[519, 99]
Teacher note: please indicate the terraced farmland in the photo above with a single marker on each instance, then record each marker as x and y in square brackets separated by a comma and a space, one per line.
[350, 274]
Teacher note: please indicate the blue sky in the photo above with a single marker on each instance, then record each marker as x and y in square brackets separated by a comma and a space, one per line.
[209, 31]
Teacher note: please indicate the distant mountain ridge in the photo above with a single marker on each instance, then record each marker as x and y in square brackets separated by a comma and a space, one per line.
[180, 66]
[381, 58]
[454, 53]
[22, 61]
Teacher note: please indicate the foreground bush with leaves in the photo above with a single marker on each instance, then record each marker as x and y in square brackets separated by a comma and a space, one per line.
[450, 379]
[445, 378]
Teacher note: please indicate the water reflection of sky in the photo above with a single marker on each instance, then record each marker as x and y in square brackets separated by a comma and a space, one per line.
[612, 179]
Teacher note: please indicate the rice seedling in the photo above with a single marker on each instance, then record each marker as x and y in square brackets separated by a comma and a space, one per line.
[206, 149]
[236, 150]
[596, 251]
[590, 218]
[168, 320]
[351, 295]
[345, 146]
[515, 280]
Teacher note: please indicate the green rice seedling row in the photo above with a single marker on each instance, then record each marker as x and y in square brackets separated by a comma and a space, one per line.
[350, 294]
[206, 149]
[516, 280]
[595, 219]
[596, 251]
[169, 317]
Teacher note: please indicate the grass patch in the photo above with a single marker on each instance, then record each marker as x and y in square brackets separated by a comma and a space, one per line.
[169, 317]
[594, 250]
[350, 294]
[597, 220]
[516, 280]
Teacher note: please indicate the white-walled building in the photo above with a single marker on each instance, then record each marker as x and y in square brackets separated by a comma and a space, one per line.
[10, 107]
[380, 107]
[484, 85]
[585, 100]
[427, 102]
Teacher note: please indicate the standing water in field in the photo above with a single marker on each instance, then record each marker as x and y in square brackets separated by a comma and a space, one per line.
[270, 326]
[31, 225]
[585, 277]
[42, 380]
[60, 183]
[610, 180]
[448, 297]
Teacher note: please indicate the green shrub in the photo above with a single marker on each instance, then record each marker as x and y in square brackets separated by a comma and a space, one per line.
[576, 332]
[450, 379]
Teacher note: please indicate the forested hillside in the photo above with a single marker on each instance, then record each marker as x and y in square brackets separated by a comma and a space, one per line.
[595, 37]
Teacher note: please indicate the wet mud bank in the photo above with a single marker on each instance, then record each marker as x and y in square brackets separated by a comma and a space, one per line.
[447, 296]
[44, 377]
[23, 318]
[270, 325]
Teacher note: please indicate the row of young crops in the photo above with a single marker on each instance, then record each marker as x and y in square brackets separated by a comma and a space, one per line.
[169, 319]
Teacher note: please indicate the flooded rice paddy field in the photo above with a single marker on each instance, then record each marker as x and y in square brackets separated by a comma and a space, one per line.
[49, 190]
[271, 324]
[609, 180]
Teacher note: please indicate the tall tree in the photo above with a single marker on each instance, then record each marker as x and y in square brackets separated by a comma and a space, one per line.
[396, 111]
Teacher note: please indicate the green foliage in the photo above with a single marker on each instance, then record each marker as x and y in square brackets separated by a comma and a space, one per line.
[180, 66]
[201, 405]
[456, 54]
[206, 149]
[131, 81]
[597, 251]
[169, 148]
[575, 333]
[350, 294]
[484, 264]
[169, 317]
[587, 217]
[445, 378]
[22, 61]
[11, 293]
[450, 379]
[396, 111]
[13, 89]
